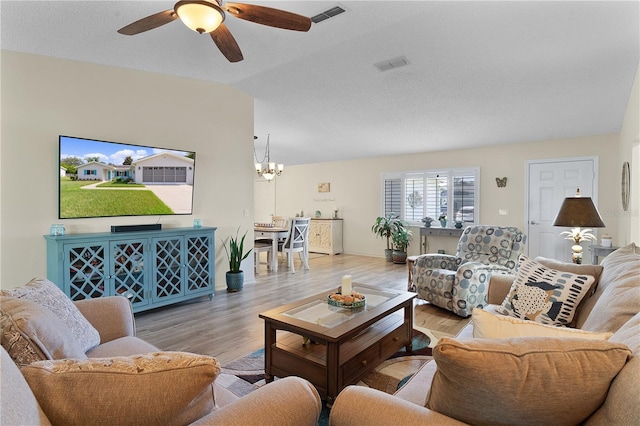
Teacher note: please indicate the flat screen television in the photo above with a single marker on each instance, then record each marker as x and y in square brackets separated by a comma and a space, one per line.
[104, 179]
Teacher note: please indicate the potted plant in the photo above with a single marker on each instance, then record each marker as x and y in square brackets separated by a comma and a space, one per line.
[427, 221]
[235, 256]
[384, 227]
[443, 220]
[401, 238]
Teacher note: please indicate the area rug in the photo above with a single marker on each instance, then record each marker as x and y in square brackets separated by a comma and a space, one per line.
[246, 374]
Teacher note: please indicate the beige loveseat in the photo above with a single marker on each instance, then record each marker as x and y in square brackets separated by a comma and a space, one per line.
[112, 385]
[487, 394]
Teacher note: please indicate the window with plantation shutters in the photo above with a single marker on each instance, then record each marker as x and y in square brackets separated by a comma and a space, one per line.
[453, 194]
[392, 195]
[414, 198]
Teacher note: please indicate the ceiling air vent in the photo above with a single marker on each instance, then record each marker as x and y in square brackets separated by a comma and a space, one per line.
[330, 13]
[391, 63]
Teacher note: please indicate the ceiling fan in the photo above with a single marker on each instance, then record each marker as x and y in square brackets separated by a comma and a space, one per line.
[208, 17]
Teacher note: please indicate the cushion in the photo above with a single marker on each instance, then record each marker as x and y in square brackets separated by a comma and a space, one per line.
[31, 332]
[47, 294]
[621, 406]
[167, 388]
[580, 269]
[544, 295]
[487, 325]
[618, 295]
[523, 381]
[17, 404]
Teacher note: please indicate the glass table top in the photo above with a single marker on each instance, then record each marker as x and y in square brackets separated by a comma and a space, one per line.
[321, 313]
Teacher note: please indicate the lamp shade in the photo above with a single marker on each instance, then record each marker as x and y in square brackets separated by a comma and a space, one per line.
[578, 212]
[199, 15]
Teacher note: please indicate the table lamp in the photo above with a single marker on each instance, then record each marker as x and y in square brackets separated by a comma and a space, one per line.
[578, 212]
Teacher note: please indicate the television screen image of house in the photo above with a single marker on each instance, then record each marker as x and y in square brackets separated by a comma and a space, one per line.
[102, 179]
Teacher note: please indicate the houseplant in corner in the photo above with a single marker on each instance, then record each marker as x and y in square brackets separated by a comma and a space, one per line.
[384, 227]
[401, 238]
[235, 255]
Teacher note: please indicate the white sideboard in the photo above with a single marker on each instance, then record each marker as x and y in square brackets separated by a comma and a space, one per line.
[325, 236]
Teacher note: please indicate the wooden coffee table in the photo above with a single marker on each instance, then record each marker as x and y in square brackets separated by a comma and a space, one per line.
[344, 344]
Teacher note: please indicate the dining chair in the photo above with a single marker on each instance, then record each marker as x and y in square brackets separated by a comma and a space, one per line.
[258, 248]
[279, 221]
[297, 242]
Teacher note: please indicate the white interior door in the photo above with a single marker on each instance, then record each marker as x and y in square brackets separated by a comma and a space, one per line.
[264, 200]
[549, 183]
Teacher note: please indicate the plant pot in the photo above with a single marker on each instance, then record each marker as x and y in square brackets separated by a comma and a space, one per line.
[388, 255]
[459, 225]
[235, 281]
[399, 256]
[443, 223]
[427, 224]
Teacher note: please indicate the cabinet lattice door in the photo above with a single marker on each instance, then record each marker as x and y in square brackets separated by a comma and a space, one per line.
[168, 267]
[85, 275]
[129, 270]
[199, 268]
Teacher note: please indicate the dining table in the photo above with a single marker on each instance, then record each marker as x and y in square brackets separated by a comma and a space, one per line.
[274, 234]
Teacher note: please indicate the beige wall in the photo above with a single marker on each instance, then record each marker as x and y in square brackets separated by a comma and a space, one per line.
[629, 228]
[43, 97]
[356, 186]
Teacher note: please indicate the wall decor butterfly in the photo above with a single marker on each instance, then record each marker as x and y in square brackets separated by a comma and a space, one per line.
[501, 182]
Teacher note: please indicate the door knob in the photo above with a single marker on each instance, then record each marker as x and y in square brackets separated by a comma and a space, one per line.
[533, 222]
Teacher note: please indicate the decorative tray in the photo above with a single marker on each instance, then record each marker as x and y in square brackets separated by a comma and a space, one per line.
[263, 225]
[356, 300]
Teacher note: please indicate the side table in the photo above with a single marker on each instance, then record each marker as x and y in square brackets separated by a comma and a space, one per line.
[597, 251]
[441, 232]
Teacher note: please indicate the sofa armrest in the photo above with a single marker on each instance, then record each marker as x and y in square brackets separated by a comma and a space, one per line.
[499, 287]
[358, 405]
[291, 401]
[111, 316]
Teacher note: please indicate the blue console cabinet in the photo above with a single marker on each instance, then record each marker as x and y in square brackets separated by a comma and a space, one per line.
[150, 268]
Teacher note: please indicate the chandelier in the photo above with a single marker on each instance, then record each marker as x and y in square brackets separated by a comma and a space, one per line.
[266, 168]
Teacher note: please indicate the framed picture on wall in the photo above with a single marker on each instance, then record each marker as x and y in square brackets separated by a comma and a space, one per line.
[324, 187]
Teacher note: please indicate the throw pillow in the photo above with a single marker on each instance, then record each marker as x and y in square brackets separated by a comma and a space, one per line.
[47, 294]
[31, 332]
[523, 381]
[580, 269]
[544, 295]
[487, 325]
[168, 388]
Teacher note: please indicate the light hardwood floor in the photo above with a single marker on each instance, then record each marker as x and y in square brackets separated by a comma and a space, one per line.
[228, 326]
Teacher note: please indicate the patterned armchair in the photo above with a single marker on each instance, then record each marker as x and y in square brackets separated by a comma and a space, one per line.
[459, 283]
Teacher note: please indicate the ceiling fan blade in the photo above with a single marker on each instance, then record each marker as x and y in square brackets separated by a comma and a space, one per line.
[149, 23]
[268, 16]
[226, 43]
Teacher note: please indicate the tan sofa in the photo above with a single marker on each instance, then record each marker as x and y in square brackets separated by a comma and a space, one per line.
[613, 308]
[290, 401]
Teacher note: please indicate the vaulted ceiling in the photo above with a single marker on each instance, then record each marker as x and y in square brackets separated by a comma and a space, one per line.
[476, 72]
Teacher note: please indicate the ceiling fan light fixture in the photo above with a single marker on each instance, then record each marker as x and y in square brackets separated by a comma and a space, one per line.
[199, 15]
